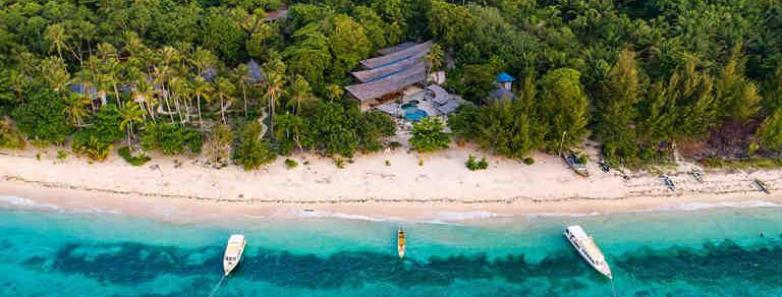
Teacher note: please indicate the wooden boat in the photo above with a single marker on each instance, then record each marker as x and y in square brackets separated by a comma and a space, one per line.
[587, 248]
[762, 186]
[668, 183]
[400, 242]
[572, 161]
[233, 252]
[697, 175]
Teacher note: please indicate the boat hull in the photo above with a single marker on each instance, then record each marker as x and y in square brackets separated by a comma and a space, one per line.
[233, 253]
[602, 268]
[400, 243]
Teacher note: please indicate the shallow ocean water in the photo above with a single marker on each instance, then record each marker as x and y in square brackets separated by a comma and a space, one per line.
[711, 252]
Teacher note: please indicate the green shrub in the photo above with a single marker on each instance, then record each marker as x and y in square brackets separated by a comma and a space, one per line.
[529, 161]
[218, 148]
[428, 135]
[252, 151]
[62, 155]
[42, 117]
[290, 163]
[171, 139]
[95, 140]
[339, 162]
[10, 136]
[91, 146]
[139, 160]
[475, 164]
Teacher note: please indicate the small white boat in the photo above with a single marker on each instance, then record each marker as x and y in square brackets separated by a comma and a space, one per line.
[588, 249]
[233, 252]
[400, 242]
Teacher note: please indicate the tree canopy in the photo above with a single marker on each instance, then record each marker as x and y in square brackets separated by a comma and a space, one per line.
[636, 76]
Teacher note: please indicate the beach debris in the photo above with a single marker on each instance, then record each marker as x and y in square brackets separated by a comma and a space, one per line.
[761, 186]
[668, 182]
[697, 174]
[604, 166]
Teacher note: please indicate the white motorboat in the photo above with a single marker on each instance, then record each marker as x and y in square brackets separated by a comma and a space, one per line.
[586, 246]
[233, 252]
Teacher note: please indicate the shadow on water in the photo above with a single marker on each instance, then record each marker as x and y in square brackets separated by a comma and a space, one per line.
[132, 263]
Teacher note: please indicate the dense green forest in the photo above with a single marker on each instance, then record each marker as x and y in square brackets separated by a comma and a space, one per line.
[641, 77]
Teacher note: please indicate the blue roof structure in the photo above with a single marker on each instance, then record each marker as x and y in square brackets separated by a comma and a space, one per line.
[504, 77]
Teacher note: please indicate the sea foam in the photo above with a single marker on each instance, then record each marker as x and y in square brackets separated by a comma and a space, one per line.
[340, 215]
[693, 206]
[19, 202]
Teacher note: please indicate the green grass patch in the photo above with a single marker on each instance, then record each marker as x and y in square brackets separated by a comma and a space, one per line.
[138, 160]
[475, 164]
[290, 163]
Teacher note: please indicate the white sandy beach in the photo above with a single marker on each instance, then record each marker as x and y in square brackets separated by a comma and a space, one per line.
[440, 188]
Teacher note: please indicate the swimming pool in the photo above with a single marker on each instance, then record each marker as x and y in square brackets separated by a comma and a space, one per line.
[411, 103]
[414, 114]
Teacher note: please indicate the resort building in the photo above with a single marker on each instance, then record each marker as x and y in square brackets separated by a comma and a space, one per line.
[396, 83]
[384, 77]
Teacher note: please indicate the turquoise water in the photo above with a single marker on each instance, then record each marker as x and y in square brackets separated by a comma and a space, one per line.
[716, 252]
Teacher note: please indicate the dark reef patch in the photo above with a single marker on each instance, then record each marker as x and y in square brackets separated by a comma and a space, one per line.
[712, 264]
[132, 263]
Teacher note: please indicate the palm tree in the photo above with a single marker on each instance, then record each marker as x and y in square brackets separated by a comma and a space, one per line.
[225, 91]
[75, 108]
[57, 38]
[181, 90]
[203, 60]
[55, 73]
[242, 73]
[131, 113]
[434, 59]
[201, 89]
[163, 71]
[143, 93]
[110, 68]
[334, 92]
[300, 92]
[274, 90]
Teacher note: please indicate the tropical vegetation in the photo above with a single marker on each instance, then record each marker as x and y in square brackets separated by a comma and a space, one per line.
[641, 77]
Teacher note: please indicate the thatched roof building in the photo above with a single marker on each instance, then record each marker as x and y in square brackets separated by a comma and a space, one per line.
[367, 93]
[397, 56]
[402, 65]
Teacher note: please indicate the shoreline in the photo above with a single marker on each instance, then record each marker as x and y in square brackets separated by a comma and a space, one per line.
[169, 191]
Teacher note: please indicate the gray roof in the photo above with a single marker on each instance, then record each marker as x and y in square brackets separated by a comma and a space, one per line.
[389, 84]
[277, 14]
[254, 72]
[381, 72]
[448, 107]
[396, 48]
[440, 95]
[397, 56]
[82, 89]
